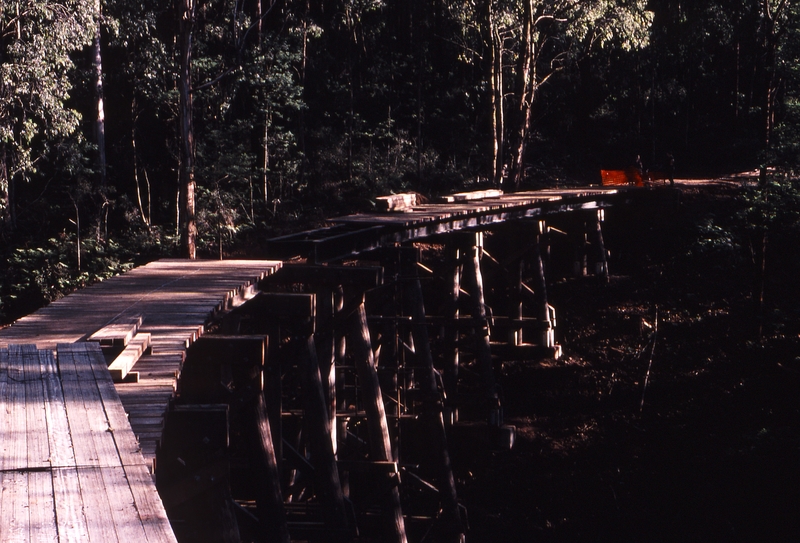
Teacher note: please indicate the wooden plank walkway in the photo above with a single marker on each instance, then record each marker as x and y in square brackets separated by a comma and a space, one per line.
[174, 298]
[70, 467]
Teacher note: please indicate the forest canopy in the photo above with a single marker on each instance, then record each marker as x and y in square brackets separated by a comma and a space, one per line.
[135, 129]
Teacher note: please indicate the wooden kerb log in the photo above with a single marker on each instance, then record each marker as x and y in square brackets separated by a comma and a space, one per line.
[258, 314]
[331, 276]
[123, 364]
[397, 202]
[117, 334]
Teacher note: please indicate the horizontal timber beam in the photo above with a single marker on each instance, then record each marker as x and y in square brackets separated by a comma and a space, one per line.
[356, 234]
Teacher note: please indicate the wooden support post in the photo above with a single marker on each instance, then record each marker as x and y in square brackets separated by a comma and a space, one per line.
[515, 301]
[432, 417]
[389, 356]
[580, 266]
[380, 441]
[273, 392]
[339, 354]
[483, 351]
[451, 362]
[545, 229]
[317, 422]
[326, 348]
[601, 265]
[542, 310]
[269, 498]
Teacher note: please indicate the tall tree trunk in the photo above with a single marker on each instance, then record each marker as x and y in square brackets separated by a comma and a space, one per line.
[5, 189]
[145, 215]
[498, 127]
[526, 85]
[100, 119]
[772, 80]
[420, 113]
[187, 183]
[301, 132]
[265, 177]
[258, 23]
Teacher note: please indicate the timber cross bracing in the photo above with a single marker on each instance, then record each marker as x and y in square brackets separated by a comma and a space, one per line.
[395, 358]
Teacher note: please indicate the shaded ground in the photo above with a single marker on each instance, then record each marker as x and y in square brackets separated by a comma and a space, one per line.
[713, 452]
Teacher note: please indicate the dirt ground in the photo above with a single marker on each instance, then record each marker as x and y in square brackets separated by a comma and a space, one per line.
[667, 418]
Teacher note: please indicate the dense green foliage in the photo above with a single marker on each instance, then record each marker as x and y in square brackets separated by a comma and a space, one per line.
[303, 109]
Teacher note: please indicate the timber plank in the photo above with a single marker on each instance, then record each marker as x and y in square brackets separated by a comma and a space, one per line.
[66, 486]
[148, 505]
[15, 520]
[397, 202]
[41, 506]
[4, 412]
[99, 474]
[177, 292]
[473, 195]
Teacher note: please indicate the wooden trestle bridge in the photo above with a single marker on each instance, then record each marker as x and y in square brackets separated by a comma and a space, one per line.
[310, 397]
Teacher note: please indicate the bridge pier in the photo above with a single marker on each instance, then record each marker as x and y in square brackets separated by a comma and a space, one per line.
[483, 351]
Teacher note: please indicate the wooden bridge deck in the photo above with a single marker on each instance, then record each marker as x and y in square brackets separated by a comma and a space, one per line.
[409, 220]
[174, 297]
[75, 449]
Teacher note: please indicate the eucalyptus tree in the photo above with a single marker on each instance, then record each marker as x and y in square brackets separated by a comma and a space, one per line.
[37, 38]
[524, 43]
[779, 31]
[142, 76]
[187, 10]
[99, 120]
